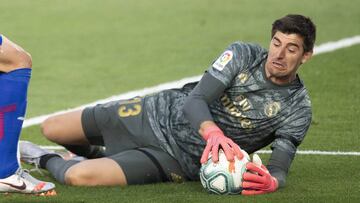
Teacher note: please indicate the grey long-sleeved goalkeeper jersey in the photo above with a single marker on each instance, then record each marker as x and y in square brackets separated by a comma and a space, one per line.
[252, 110]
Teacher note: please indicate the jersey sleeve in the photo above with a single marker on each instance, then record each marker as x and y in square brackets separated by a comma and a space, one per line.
[196, 108]
[237, 57]
[292, 133]
[287, 140]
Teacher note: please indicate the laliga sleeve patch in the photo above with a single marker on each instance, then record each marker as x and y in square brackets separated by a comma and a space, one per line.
[224, 59]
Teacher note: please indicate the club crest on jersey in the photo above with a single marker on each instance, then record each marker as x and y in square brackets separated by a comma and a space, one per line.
[272, 109]
[224, 59]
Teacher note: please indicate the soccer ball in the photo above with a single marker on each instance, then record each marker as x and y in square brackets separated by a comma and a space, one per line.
[223, 177]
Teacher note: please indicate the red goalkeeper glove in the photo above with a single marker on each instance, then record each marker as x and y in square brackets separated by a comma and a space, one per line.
[214, 139]
[258, 180]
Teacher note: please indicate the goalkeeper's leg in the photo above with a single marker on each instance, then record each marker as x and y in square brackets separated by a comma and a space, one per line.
[135, 166]
[66, 130]
[131, 167]
[103, 171]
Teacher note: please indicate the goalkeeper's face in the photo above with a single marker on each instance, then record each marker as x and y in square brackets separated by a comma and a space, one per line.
[286, 54]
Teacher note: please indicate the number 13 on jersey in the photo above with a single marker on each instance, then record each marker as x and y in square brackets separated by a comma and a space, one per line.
[130, 107]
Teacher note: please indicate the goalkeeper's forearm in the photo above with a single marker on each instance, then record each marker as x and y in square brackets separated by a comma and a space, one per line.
[196, 108]
[279, 165]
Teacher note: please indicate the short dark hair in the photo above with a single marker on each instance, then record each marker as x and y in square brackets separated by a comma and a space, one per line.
[297, 24]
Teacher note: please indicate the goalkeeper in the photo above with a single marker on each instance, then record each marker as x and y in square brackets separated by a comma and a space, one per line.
[249, 97]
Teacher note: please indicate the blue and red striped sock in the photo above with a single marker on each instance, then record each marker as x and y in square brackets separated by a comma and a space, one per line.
[13, 93]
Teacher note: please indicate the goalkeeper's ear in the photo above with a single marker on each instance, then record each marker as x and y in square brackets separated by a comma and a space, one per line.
[256, 160]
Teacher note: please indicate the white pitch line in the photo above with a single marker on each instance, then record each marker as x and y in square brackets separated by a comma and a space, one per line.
[332, 46]
[317, 152]
[305, 152]
[323, 48]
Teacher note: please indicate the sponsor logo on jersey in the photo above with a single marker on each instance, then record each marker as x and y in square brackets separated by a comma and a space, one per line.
[224, 59]
[237, 109]
[272, 109]
[243, 77]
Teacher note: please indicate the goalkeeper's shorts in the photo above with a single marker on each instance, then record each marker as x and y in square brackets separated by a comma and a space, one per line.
[123, 128]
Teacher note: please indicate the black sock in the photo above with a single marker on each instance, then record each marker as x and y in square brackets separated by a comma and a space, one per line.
[45, 158]
[88, 151]
[56, 165]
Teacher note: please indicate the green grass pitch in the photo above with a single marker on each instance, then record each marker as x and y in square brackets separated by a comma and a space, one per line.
[86, 50]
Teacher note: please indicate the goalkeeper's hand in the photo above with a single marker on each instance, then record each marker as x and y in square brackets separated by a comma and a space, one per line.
[215, 138]
[257, 180]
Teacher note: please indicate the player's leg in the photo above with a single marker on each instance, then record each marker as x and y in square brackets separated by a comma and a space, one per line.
[93, 172]
[101, 171]
[124, 135]
[65, 129]
[15, 71]
[138, 166]
[12, 56]
[83, 131]
[130, 142]
[13, 92]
